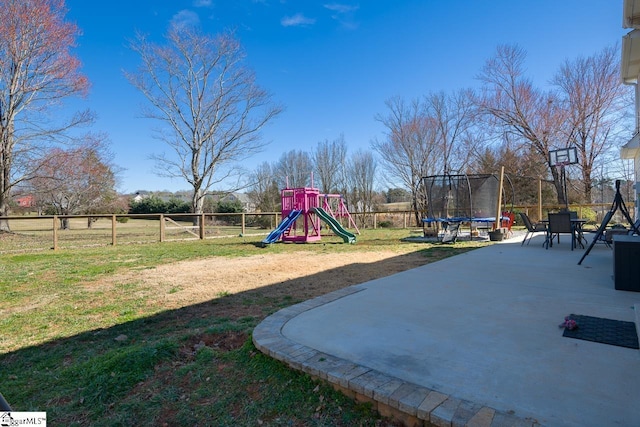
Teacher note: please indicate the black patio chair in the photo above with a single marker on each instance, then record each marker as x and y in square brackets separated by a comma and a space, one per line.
[560, 223]
[579, 232]
[532, 228]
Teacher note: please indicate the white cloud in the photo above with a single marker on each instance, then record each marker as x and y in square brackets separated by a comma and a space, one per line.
[341, 8]
[297, 20]
[185, 18]
[344, 14]
[202, 3]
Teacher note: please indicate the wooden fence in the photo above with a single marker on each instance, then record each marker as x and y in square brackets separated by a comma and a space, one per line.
[30, 232]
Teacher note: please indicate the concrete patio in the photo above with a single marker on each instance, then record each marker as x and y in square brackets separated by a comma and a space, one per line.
[472, 340]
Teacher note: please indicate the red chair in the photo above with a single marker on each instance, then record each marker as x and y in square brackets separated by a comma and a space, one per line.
[507, 220]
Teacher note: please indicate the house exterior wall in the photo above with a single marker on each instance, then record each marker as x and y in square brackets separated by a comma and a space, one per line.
[629, 61]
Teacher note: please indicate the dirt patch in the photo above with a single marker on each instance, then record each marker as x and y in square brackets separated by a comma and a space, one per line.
[300, 276]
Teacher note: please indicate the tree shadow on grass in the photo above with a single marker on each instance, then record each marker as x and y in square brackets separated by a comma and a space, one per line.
[189, 366]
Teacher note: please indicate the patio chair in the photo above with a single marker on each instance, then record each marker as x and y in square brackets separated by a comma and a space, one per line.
[450, 234]
[560, 223]
[532, 228]
[610, 233]
[507, 220]
[579, 232]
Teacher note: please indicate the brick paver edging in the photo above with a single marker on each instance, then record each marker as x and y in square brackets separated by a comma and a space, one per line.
[409, 403]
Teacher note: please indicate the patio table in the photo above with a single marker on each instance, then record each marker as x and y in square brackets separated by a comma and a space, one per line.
[578, 227]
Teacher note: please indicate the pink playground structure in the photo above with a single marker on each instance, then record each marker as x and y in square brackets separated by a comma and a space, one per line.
[302, 213]
[303, 199]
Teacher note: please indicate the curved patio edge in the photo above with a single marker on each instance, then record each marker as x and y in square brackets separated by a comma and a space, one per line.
[411, 404]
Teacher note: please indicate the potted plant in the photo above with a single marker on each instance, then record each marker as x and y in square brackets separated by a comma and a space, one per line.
[497, 235]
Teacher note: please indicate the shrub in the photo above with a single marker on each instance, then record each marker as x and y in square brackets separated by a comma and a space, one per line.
[154, 204]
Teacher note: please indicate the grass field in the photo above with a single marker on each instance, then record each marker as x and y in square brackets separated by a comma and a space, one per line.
[86, 340]
[32, 234]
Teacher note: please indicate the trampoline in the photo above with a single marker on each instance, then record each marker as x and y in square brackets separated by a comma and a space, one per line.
[457, 200]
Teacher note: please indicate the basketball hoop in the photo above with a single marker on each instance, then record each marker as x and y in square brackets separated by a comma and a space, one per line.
[562, 158]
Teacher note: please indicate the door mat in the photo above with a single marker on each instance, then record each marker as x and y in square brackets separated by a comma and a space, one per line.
[605, 331]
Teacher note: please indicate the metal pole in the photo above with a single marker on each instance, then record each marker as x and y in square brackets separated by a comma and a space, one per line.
[498, 222]
[564, 187]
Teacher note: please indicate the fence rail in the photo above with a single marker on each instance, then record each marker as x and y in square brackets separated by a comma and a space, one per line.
[33, 233]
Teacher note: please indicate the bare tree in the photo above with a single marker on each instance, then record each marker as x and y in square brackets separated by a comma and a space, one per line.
[329, 159]
[264, 190]
[512, 105]
[596, 101]
[75, 181]
[409, 150]
[294, 169]
[361, 175]
[207, 100]
[453, 115]
[37, 72]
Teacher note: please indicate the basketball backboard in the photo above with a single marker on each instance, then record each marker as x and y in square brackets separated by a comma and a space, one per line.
[563, 156]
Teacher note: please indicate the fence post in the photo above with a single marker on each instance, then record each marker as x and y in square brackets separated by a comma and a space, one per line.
[375, 220]
[202, 226]
[113, 230]
[243, 223]
[162, 227]
[55, 233]
[539, 199]
[404, 220]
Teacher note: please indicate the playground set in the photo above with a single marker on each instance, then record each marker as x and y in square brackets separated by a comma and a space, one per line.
[302, 213]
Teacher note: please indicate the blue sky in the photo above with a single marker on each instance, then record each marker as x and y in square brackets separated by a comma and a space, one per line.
[331, 64]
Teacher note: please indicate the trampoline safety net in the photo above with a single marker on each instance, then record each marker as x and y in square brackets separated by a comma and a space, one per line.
[461, 196]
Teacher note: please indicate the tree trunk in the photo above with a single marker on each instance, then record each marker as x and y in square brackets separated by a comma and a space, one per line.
[4, 196]
[197, 205]
[64, 224]
[416, 213]
[588, 183]
[4, 211]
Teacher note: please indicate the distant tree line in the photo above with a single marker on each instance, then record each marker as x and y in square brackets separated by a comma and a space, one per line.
[154, 204]
[333, 170]
[507, 122]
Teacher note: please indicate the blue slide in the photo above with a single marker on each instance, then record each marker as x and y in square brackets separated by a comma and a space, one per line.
[287, 222]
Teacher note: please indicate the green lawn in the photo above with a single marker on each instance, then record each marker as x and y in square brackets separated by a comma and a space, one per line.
[106, 357]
